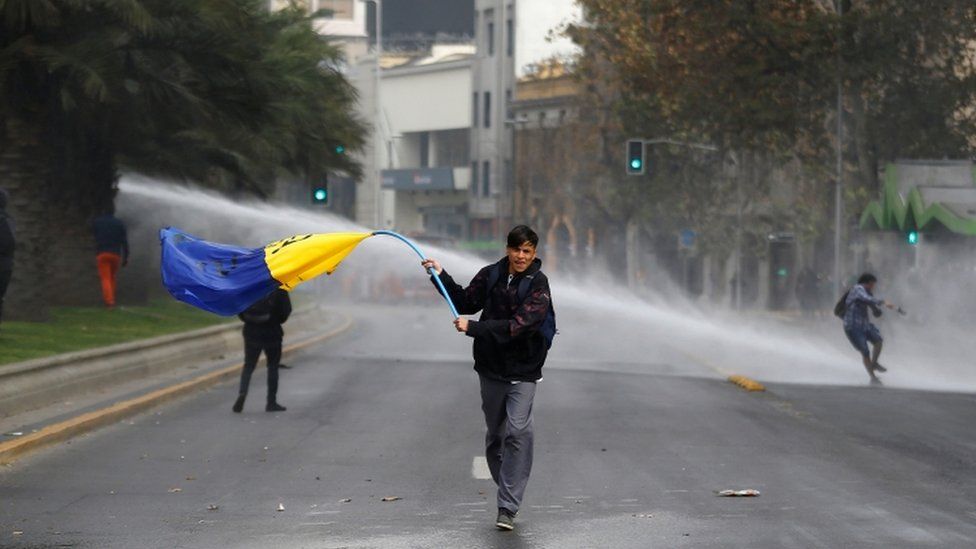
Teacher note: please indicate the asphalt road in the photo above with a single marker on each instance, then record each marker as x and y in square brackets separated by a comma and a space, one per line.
[629, 453]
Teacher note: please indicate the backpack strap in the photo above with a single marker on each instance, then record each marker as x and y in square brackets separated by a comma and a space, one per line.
[493, 274]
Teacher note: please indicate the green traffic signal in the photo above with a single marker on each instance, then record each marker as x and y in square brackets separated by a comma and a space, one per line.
[320, 195]
[912, 237]
[340, 149]
[635, 157]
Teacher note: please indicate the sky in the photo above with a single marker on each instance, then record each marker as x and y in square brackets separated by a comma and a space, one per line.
[535, 19]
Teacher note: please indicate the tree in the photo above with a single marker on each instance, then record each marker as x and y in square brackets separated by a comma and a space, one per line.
[758, 79]
[222, 92]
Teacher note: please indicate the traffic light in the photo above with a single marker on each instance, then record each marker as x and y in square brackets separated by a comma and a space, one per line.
[320, 194]
[912, 237]
[635, 157]
[339, 149]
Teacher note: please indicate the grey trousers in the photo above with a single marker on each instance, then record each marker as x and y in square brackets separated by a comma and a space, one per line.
[508, 443]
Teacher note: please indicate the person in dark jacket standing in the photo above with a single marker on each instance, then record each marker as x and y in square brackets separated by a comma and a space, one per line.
[263, 332]
[6, 248]
[112, 249]
[509, 352]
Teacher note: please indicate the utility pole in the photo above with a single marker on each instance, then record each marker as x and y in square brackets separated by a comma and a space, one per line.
[738, 238]
[379, 113]
[838, 185]
[378, 142]
[500, 114]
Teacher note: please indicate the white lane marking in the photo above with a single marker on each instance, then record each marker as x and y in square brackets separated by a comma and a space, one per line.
[479, 468]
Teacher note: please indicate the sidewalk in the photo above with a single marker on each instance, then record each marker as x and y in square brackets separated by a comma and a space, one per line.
[27, 431]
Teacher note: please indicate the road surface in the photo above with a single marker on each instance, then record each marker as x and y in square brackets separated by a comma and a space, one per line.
[629, 453]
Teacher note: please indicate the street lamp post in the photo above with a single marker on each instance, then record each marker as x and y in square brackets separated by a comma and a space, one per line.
[378, 144]
[838, 184]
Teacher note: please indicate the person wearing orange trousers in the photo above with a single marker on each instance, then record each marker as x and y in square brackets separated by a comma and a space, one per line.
[112, 249]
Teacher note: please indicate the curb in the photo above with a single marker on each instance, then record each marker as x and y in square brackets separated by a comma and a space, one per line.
[59, 432]
[746, 383]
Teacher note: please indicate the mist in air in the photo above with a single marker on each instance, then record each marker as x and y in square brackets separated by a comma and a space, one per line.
[602, 325]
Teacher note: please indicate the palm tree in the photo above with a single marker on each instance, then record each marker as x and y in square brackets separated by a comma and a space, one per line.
[217, 91]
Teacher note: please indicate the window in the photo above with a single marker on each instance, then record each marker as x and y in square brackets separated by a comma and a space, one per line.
[474, 110]
[508, 105]
[487, 109]
[451, 148]
[341, 9]
[486, 178]
[490, 31]
[424, 149]
[474, 178]
[509, 38]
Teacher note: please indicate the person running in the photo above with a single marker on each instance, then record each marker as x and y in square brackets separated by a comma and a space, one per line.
[263, 332]
[858, 327]
[511, 342]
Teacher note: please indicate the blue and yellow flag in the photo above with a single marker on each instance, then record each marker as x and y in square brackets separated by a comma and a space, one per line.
[227, 279]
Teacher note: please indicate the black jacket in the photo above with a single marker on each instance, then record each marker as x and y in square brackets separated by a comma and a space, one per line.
[277, 306]
[507, 342]
[110, 236]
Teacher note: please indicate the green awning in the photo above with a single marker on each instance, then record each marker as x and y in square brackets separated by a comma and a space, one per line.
[924, 207]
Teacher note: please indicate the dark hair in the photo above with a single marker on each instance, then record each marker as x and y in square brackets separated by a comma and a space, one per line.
[867, 278]
[522, 234]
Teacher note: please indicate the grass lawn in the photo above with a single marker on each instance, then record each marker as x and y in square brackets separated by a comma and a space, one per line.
[77, 328]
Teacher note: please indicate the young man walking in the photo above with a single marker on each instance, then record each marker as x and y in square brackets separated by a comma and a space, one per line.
[858, 326]
[112, 247]
[263, 332]
[511, 341]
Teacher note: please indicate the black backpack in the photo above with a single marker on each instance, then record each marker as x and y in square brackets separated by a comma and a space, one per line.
[260, 311]
[548, 328]
[840, 309]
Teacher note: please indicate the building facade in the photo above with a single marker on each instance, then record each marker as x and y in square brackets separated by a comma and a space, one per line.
[492, 88]
[425, 111]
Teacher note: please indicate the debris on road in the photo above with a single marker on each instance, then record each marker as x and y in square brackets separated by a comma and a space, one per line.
[281, 507]
[175, 490]
[643, 515]
[14, 434]
[191, 478]
[738, 493]
[18, 532]
[345, 500]
[391, 498]
[212, 507]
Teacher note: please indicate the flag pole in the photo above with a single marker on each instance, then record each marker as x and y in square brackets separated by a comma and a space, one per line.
[437, 279]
